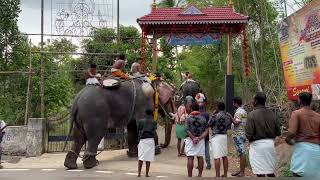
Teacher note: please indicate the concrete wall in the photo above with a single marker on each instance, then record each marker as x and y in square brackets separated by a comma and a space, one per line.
[25, 140]
[36, 137]
[14, 141]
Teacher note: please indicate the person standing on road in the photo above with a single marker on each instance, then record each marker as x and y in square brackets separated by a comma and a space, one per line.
[304, 134]
[180, 121]
[146, 148]
[261, 130]
[2, 132]
[239, 134]
[181, 134]
[220, 123]
[206, 115]
[197, 129]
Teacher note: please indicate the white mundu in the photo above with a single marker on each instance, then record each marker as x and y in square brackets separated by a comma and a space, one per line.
[146, 150]
[263, 156]
[92, 81]
[194, 149]
[219, 146]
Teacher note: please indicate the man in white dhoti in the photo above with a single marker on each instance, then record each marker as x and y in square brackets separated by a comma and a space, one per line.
[220, 124]
[197, 130]
[261, 130]
[146, 148]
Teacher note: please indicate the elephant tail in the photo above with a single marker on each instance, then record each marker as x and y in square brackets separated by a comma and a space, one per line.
[73, 115]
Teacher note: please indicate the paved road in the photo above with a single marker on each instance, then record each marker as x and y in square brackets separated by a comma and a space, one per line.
[54, 174]
[113, 165]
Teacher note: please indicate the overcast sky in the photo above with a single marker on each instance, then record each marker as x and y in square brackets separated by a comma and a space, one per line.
[30, 16]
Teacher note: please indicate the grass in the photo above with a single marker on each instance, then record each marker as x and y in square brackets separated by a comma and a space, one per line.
[285, 172]
[247, 161]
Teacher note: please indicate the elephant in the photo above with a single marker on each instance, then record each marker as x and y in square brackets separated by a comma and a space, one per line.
[166, 96]
[95, 109]
[189, 88]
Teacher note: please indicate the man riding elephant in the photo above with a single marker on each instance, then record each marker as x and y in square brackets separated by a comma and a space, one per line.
[117, 68]
[96, 109]
[136, 71]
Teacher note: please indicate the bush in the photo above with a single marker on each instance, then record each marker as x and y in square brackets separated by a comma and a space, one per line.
[248, 161]
[285, 172]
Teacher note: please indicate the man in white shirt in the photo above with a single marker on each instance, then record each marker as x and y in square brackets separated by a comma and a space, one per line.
[238, 134]
[2, 127]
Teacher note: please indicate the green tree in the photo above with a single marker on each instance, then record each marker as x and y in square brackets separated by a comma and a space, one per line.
[104, 41]
[59, 89]
[9, 11]
[13, 55]
[208, 63]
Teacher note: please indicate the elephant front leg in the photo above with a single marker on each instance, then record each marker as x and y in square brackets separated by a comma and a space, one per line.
[132, 139]
[89, 158]
[168, 130]
[70, 161]
[158, 148]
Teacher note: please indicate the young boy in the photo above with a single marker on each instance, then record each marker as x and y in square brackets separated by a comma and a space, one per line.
[90, 75]
[146, 149]
[2, 127]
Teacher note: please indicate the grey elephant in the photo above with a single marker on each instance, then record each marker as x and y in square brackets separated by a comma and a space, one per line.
[96, 109]
[189, 88]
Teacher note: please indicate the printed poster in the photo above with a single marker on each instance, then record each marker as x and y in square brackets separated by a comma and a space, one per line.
[299, 37]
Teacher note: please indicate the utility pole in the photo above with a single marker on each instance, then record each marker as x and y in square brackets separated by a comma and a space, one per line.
[229, 78]
[118, 21]
[26, 115]
[285, 8]
[42, 107]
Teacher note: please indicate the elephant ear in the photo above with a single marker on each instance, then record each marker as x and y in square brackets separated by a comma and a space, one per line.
[148, 90]
[165, 92]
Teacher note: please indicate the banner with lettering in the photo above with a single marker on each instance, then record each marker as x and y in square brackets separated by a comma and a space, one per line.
[194, 39]
[299, 37]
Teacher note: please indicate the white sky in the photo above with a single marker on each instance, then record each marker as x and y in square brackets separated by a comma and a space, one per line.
[30, 16]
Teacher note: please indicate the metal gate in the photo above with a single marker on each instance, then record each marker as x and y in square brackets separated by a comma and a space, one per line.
[58, 133]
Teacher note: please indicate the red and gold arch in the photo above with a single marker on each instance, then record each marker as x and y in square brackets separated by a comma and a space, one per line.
[196, 23]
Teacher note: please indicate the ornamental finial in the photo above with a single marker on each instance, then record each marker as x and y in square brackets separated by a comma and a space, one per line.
[231, 4]
[154, 4]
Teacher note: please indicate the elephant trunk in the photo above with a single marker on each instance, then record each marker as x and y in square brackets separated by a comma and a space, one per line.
[168, 126]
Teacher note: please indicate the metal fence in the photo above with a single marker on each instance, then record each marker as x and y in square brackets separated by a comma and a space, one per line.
[60, 74]
[58, 132]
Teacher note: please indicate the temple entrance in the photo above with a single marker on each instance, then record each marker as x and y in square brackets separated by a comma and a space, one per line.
[194, 26]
